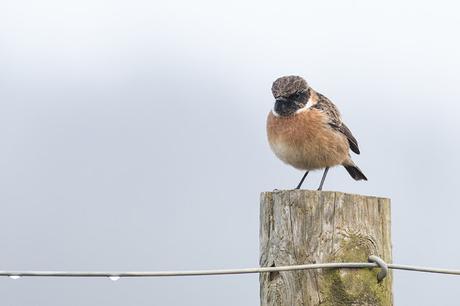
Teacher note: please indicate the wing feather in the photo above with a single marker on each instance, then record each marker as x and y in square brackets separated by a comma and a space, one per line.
[326, 106]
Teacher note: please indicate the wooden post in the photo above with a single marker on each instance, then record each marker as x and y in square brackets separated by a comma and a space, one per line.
[300, 227]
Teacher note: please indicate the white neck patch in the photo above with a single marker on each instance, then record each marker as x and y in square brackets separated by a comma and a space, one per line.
[275, 113]
[306, 107]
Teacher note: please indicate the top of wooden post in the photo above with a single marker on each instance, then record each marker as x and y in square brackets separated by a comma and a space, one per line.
[318, 193]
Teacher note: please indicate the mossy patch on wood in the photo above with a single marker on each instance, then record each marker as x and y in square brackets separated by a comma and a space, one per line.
[354, 286]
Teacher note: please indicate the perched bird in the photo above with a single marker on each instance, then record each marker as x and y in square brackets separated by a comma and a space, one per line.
[305, 130]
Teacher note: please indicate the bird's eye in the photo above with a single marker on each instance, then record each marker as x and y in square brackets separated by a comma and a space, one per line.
[298, 95]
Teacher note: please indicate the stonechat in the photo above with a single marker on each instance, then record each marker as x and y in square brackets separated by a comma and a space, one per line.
[305, 130]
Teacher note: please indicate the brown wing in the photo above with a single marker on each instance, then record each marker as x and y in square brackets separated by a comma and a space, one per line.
[325, 105]
[351, 139]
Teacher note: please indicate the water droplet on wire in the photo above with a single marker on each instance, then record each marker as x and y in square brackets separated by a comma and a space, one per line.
[114, 278]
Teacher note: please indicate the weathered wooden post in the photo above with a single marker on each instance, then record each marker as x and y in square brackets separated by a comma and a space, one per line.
[300, 227]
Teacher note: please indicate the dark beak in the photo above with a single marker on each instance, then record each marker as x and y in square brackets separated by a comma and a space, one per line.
[281, 106]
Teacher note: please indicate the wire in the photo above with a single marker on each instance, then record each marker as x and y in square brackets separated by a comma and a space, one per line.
[423, 269]
[376, 262]
[349, 265]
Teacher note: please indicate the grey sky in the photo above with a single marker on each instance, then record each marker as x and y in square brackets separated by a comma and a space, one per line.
[133, 138]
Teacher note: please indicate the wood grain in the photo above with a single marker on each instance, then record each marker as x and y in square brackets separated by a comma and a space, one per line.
[300, 226]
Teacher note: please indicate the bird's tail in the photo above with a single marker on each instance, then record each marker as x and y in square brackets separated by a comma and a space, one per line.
[354, 171]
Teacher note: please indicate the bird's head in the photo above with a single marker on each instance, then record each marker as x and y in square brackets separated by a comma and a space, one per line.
[291, 93]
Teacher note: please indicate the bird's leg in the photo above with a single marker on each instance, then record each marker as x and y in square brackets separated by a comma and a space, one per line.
[322, 180]
[303, 179]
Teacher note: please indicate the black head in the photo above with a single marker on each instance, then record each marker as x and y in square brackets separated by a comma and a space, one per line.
[291, 94]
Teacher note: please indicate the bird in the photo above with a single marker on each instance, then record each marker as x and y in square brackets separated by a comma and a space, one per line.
[305, 130]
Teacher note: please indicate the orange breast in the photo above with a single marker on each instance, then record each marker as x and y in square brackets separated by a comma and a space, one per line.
[306, 141]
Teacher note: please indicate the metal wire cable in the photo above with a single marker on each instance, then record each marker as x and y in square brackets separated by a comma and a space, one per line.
[188, 273]
[375, 262]
[423, 269]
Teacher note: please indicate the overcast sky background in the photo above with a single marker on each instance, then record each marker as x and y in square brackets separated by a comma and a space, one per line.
[132, 137]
